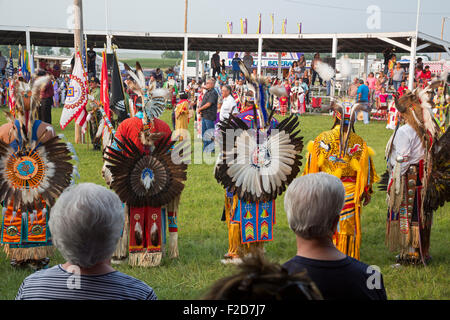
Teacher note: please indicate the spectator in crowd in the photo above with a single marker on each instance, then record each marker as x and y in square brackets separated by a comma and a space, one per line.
[362, 96]
[222, 65]
[371, 83]
[63, 88]
[3, 91]
[46, 94]
[382, 99]
[306, 81]
[235, 67]
[302, 65]
[419, 63]
[222, 77]
[402, 88]
[314, 222]
[3, 63]
[215, 63]
[353, 88]
[91, 57]
[398, 75]
[391, 67]
[248, 61]
[228, 103]
[260, 280]
[425, 75]
[86, 224]
[313, 66]
[208, 110]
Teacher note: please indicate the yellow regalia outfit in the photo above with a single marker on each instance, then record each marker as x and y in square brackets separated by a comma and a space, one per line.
[355, 168]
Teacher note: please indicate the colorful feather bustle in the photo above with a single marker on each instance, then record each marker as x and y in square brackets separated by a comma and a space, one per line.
[142, 180]
[259, 170]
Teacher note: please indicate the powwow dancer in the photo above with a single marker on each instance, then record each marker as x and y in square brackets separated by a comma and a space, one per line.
[418, 177]
[34, 170]
[263, 159]
[147, 179]
[344, 154]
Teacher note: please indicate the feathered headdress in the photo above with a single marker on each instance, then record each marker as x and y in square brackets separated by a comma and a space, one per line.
[345, 112]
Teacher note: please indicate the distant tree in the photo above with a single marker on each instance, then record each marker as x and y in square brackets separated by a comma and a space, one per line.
[171, 55]
[65, 51]
[203, 56]
[45, 51]
[5, 51]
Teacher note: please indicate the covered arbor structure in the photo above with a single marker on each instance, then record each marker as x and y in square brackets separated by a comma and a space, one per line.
[411, 42]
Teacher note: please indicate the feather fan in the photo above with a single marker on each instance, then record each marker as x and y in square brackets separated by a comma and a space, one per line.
[325, 71]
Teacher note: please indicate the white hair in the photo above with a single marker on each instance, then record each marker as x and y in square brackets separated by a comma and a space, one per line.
[312, 203]
[86, 223]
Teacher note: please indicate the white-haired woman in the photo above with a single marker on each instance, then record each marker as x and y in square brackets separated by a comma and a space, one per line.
[313, 203]
[86, 224]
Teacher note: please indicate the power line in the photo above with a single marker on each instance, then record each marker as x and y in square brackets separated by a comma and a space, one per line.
[361, 10]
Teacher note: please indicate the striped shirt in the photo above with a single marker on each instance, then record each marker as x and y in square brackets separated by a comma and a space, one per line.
[58, 284]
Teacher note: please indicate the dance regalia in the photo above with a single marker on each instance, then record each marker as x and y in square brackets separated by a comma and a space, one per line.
[34, 170]
[350, 161]
[147, 181]
[297, 100]
[181, 120]
[418, 177]
[251, 177]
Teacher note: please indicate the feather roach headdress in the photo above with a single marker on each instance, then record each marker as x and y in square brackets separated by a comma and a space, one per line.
[146, 179]
[255, 166]
[345, 112]
[36, 173]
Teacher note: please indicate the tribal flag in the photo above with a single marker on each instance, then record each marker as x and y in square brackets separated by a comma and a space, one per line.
[19, 61]
[76, 96]
[11, 65]
[104, 92]
[283, 27]
[299, 27]
[25, 68]
[117, 102]
[32, 61]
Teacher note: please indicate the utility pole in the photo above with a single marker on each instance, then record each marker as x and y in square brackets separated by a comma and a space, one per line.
[78, 45]
[442, 32]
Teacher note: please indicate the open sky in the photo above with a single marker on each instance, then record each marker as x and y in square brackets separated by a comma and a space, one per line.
[210, 16]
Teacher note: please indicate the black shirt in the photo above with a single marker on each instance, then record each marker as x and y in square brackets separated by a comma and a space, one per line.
[346, 279]
[91, 60]
[210, 113]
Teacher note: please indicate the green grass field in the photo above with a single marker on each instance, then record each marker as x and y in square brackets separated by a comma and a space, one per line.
[203, 237]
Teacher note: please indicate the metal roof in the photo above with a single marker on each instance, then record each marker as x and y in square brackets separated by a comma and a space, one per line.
[347, 42]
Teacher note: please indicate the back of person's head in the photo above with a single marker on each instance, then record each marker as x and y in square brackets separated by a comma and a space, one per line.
[361, 81]
[258, 279]
[86, 224]
[313, 203]
[183, 95]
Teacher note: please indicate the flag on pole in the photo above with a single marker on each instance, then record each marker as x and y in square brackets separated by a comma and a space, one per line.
[25, 66]
[76, 96]
[104, 93]
[242, 26]
[299, 27]
[11, 99]
[283, 27]
[11, 65]
[272, 16]
[32, 60]
[19, 62]
[230, 27]
[245, 25]
[117, 102]
[259, 24]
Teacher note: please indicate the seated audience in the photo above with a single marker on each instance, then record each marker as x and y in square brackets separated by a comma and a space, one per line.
[86, 223]
[314, 222]
[258, 279]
